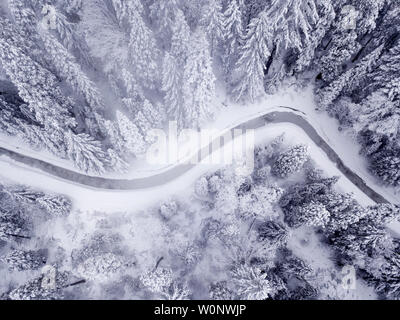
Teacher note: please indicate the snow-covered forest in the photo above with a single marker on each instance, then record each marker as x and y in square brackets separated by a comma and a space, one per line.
[283, 232]
[84, 83]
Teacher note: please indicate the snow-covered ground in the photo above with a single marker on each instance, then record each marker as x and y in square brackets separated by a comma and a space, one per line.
[86, 198]
[92, 204]
[226, 118]
[306, 245]
[91, 199]
[326, 126]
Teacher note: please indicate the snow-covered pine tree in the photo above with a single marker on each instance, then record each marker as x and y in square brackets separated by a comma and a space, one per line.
[21, 260]
[220, 291]
[291, 22]
[85, 152]
[160, 281]
[313, 214]
[250, 283]
[130, 133]
[181, 37]
[212, 21]
[362, 239]
[73, 6]
[290, 161]
[233, 33]
[101, 267]
[198, 81]
[149, 116]
[369, 10]
[383, 213]
[301, 194]
[201, 188]
[113, 132]
[259, 202]
[24, 15]
[126, 11]
[343, 208]
[8, 124]
[307, 54]
[253, 55]
[386, 276]
[115, 162]
[290, 25]
[343, 46]
[70, 70]
[172, 87]
[36, 85]
[162, 15]
[55, 205]
[327, 95]
[39, 137]
[36, 290]
[386, 165]
[386, 75]
[274, 232]
[66, 28]
[13, 223]
[143, 51]
[11, 229]
[379, 114]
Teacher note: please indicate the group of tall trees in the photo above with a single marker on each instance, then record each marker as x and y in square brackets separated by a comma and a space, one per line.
[349, 47]
[358, 234]
[88, 80]
[22, 210]
[357, 82]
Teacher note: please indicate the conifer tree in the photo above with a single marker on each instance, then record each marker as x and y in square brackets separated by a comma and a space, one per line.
[198, 81]
[252, 60]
